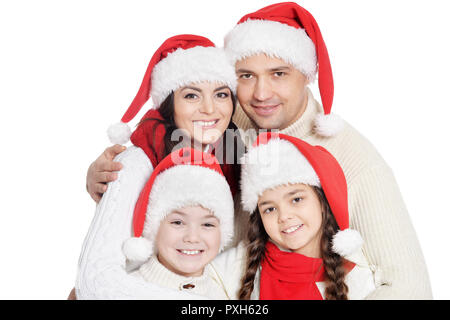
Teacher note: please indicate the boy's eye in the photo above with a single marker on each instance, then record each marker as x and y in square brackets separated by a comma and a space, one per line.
[209, 225]
[176, 222]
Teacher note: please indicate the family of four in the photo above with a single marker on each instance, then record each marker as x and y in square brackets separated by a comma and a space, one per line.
[241, 185]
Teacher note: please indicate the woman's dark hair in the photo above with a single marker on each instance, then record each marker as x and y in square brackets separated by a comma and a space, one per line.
[336, 289]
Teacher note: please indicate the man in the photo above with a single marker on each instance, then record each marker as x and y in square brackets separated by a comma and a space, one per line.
[277, 51]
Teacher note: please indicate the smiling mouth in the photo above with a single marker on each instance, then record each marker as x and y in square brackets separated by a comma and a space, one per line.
[190, 252]
[265, 110]
[206, 124]
[292, 229]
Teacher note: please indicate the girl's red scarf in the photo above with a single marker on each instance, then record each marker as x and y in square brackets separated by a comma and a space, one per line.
[289, 275]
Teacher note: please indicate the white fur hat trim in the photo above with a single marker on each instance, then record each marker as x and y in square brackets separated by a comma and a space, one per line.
[185, 66]
[274, 39]
[346, 242]
[328, 125]
[137, 249]
[119, 133]
[270, 165]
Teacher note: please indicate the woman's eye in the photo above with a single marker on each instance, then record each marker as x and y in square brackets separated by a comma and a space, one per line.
[190, 96]
[223, 95]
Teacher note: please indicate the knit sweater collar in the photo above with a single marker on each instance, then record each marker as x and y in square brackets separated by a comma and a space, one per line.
[153, 271]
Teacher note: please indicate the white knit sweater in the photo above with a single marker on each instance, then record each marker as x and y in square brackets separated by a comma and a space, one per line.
[376, 207]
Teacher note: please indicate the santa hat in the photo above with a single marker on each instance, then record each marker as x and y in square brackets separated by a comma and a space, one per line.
[179, 61]
[289, 32]
[278, 159]
[186, 177]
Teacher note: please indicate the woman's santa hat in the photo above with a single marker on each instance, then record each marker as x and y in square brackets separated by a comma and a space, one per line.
[279, 159]
[186, 177]
[288, 32]
[179, 61]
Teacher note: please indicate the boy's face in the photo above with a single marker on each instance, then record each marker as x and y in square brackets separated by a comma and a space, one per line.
[187, 240]
[270, 91]
[292, 217]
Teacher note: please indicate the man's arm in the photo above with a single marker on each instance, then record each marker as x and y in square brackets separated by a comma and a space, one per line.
[102, 171]
[391, 246]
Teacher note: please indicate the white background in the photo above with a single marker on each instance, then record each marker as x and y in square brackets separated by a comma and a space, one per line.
[69, 69]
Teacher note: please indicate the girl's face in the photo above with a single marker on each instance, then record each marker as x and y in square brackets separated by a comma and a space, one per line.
[203, 110]
[292, 217]
[187, 240]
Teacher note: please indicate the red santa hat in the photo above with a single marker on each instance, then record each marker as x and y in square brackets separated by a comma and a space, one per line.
[179, 61]
[186, 177]
[278, 159]
[288, 32]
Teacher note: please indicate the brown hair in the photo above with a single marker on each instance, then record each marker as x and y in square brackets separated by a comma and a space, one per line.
[336, 289]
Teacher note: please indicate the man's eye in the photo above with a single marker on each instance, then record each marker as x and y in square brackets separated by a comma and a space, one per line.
[245, 76]
[279, 73]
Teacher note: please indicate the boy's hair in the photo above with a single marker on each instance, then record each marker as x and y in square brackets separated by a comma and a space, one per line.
[335, 272]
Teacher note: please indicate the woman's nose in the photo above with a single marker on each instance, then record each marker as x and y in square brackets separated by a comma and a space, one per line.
[207, 106]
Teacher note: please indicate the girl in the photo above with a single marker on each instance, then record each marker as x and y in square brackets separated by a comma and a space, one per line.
[182, 219]
[299, 243]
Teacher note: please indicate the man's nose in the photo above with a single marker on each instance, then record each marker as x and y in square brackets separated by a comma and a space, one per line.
[263, 89]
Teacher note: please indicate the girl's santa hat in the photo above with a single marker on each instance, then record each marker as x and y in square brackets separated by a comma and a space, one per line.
[289, 32]
[278, 159]
[186, 177]
[179, 61]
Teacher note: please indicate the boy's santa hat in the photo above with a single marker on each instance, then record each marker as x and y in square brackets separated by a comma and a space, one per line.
[279, 159]
[179, 61]
[186, 177]
[288, 32]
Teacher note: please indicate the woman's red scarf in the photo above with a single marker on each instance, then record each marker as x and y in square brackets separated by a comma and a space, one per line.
[289, 275]
[149, 136]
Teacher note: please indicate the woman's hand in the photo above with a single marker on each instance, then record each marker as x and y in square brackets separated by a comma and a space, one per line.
[102, 171]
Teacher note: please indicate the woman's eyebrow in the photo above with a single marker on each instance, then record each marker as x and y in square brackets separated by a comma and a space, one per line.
[192, 88]
[220, 88]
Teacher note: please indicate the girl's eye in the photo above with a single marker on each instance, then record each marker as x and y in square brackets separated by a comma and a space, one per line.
[269, 210]
[296, 200]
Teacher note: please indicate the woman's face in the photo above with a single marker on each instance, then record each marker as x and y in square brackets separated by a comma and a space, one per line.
[187, 240]
[203, 110]
[292, 217]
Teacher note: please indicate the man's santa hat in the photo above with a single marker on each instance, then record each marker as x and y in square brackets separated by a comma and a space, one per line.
[279, 159]
[288, 32]
[186, 177]
[181, 60]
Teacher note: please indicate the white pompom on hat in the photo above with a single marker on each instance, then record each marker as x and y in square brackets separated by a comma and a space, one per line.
[288, 32]
[186, 177]
[179, 61]
[278, 159]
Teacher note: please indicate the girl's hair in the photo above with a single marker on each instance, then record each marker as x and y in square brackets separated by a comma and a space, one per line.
[333, 263]
[167, 110]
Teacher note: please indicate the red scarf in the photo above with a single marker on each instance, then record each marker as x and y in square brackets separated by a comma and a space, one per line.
[289, 275]
[149, 136]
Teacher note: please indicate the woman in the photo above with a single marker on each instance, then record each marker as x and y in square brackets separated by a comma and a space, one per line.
[192, 86]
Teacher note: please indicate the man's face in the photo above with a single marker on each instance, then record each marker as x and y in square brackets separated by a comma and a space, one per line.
[271, 92]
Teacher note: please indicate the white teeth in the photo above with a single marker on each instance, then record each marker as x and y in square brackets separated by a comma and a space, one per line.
[292, 229]
[190, 252]
[204, 123]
